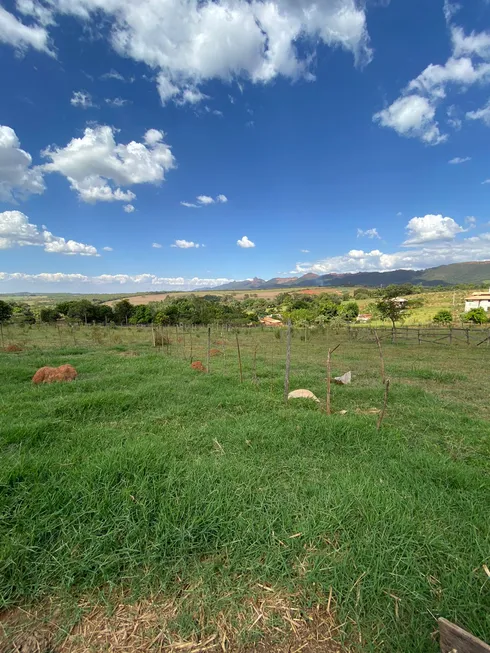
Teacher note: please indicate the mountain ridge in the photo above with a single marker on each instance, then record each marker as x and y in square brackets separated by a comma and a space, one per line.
[477, 272]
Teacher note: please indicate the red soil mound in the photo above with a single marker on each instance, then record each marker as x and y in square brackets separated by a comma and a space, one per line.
[10, 348]
[197, 365]
[55, 374]
[215, 352]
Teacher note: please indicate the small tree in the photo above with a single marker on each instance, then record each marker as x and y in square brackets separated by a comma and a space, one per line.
[49, 315]
[476, 315]
[350, 311]
[389, 309]
[5, 311]
[5, 315]
[444, 316]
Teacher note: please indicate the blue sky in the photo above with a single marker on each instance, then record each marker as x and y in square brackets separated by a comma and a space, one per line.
[334, 136]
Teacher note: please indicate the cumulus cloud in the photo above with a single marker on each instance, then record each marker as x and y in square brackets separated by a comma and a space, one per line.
[18, 177]
[10, 282]
[205, 200]
[17, 231]
[368, 233]
[245, 243]
[432, 240]
[413, 114]
[81, 99]
[480, 114]
[20, 36]
[157, 245]
[96, 166]
[128, 208]
[431, 228]
[459, 159]
[107, 249]
[184, 244]
[116, 102]
[188, 42]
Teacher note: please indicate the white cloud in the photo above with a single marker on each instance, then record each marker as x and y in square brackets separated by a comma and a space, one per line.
[368, 233]
[17, 231]
[116, 102]
[18, 178]
[487, 181]
[480, 114]
[184, 244]
[304, 251]
[156, 245]
[431, 228]
[20, 36]
[471, 221]
[17, 281]
[188, 42]
[96, 166]
[476, 248]
[205, 199]
[412, 116]
[459, 159]
[450, 10]
[81, 99]
[245, 243]
[107, 249]
[476, 43]
[128, 208]
[113, 74]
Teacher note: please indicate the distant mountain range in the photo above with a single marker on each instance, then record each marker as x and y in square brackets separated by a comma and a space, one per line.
[445, 275]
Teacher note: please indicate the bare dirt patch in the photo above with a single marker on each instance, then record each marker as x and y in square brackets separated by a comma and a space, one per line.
[198, 366]
[12, 348]
[269, 623]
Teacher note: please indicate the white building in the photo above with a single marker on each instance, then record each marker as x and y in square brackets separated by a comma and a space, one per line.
[477, 300]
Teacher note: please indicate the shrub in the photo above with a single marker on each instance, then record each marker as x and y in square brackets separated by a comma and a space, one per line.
[443, 316]
[476, 315]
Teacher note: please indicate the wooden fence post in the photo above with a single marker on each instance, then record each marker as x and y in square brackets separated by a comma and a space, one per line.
[239, 358]
[382, 362]
[467, 336]
[209, 346]
[153, 335]
[288, 362]
[454, 638]
[418, 336]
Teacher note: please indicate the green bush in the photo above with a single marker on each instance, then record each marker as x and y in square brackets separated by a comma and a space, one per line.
[476, 315]
[443, 316]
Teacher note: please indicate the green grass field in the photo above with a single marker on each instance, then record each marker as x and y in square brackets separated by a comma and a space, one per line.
[144, 482]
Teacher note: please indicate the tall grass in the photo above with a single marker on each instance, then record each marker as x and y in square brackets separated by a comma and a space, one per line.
[147, 476]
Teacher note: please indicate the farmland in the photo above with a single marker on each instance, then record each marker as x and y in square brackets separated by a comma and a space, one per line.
[147, 506]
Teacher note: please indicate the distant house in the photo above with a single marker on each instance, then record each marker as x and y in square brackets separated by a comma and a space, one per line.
[364, 317]
[401, 301]
[477, 300]
[270, 322]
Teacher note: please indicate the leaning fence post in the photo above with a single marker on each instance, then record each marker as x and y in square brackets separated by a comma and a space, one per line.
[288, 362]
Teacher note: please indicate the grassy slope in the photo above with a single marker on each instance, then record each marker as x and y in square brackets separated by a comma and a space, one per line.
[143, 471]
